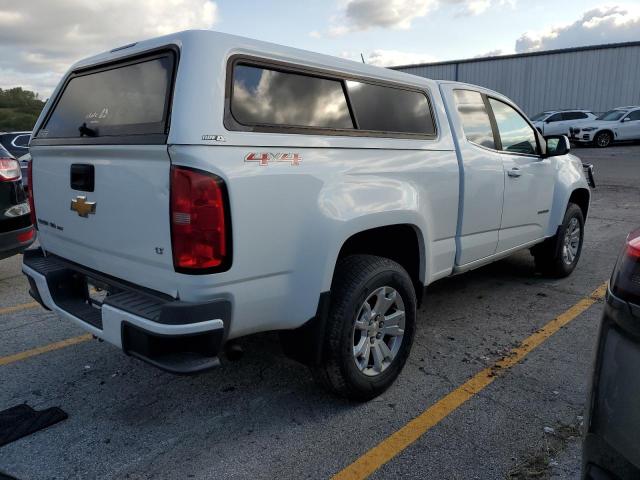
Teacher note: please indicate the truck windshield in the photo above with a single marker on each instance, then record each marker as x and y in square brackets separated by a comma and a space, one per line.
[612, 115]
[125, 99]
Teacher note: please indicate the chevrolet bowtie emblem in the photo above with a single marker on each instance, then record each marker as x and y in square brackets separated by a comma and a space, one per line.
[84, 208]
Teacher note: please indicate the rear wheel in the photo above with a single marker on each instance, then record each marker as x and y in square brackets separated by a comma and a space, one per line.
[559, 255]
[370, 327]
[603, 139]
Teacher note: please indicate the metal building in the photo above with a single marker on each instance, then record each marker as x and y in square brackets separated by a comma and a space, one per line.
[595, 78]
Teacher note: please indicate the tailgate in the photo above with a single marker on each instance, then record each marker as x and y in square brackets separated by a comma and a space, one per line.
[122, 226]
[101, 171]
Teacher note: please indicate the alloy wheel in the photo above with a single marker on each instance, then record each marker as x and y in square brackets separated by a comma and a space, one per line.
[378, 331]
[603, 140]
[571, 242]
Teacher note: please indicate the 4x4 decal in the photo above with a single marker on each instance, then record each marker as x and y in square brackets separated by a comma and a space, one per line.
[263, 158]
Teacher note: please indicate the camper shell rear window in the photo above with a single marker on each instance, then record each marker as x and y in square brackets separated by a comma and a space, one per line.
[124, 102]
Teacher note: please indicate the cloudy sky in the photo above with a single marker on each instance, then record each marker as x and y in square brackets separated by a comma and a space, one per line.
[39, 39]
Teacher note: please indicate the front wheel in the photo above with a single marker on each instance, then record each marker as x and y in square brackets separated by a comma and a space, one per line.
[559, 255]
[370, 327]
[603, 139]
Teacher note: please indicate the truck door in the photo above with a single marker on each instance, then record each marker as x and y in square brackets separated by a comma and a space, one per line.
[528, 179]
[482, 174]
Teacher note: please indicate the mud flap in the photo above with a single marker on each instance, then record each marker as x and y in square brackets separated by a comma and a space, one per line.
[22, 420]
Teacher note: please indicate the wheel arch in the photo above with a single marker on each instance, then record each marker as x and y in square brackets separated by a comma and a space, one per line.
[408, 249]
[571, 186]
[605, 130]
[403, 243]
[582, 198]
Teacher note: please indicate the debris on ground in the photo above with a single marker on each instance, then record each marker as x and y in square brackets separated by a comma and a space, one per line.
[539, 463]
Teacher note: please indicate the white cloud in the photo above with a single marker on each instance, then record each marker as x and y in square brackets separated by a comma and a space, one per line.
[478, 7]
[365, 14]
[360, 15]
[40, 39]
[608, 24]
[389, 58]
[496, 53]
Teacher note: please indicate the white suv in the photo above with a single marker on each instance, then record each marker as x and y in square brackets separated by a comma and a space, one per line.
[558, 122]
[200, 187]
[622, 123]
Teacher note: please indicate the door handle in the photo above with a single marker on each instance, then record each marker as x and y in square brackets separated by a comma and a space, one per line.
[514, 172]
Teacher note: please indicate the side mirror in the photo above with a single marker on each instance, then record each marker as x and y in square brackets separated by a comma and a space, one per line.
[625, 119]
[557, 145]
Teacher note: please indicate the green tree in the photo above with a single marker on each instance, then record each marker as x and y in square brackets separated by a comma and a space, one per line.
[19, 109]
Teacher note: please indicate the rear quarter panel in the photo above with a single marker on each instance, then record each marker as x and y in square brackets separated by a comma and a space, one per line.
[290, 221]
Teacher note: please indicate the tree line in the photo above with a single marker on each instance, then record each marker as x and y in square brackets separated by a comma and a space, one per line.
[19, 109]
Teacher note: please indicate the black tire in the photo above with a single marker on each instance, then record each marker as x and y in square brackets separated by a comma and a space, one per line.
[356, 278]
[550, 257]
[602, 139]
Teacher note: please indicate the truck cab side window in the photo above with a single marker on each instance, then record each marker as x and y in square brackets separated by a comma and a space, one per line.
[475, 118]
[516, 134]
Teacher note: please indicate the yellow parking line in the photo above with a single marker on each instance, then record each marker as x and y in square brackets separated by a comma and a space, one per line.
[390, 447]
[16, 357]
[17, 308]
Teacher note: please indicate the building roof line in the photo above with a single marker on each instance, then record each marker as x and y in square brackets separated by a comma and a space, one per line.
[522, 55]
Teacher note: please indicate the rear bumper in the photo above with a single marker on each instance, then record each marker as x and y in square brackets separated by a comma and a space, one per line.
[176, 336]
[16, 241]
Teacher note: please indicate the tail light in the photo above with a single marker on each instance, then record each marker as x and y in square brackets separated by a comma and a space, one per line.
[625, 281]
[633, 246]
[26, 236]
[32, 204]
[200, 230]
[9, 170]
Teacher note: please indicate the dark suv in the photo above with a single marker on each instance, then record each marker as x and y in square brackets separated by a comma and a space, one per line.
[16, 230]
[611, 448]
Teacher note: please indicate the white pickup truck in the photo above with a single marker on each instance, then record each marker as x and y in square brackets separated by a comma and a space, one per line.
[200, 187]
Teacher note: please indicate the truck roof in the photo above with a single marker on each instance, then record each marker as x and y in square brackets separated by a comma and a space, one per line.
[227, 44]
[198, 102]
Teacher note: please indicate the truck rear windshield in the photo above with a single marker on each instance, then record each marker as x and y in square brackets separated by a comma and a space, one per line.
[123, 99]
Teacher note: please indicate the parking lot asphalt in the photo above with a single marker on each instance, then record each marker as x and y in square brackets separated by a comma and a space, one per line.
[263, 417]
